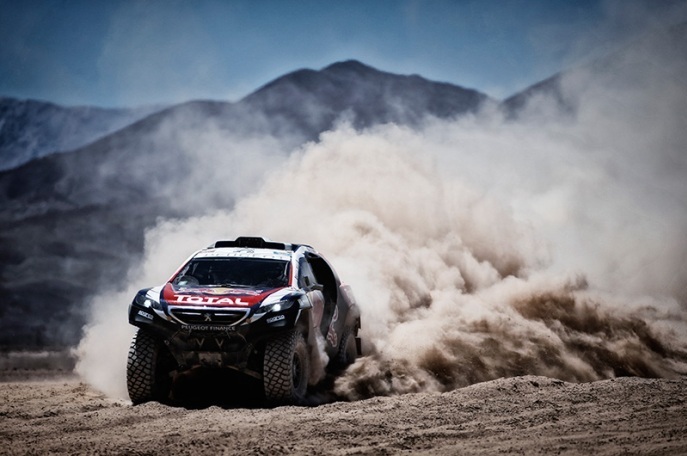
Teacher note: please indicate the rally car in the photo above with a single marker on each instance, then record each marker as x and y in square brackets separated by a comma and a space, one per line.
[258, 307]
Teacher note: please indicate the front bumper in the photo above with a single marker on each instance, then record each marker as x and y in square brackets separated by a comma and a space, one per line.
[238, 344]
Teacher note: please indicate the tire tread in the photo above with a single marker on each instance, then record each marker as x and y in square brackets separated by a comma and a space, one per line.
[277, 370]
[140, 368]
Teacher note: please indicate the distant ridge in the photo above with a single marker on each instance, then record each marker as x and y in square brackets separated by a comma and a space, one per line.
[366, 95]
[636, 58]
[31, 129]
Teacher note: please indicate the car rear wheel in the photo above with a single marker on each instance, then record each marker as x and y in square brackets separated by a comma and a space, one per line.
[348, 350]
[286, 369]
[148, 369]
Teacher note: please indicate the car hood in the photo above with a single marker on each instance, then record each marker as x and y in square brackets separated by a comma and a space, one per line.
[215, 296]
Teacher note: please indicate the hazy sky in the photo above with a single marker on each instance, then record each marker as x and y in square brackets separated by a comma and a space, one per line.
[135, 52]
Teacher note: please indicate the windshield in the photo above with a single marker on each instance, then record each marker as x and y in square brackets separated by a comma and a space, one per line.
[234, 272]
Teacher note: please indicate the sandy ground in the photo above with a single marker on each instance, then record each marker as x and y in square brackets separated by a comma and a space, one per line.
[525, 415]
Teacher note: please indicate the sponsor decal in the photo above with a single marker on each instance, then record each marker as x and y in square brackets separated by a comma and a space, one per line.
[145, 314]
[276, 318]
[222, 291]
[206, 328]
[185, 299]
[332, 337]
[218, 296]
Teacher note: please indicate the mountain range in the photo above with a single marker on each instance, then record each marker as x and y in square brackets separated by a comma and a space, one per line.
[72, 222]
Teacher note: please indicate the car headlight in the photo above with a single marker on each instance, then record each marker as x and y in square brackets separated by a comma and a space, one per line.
[142, 299]
[277, 306]
[281, 303]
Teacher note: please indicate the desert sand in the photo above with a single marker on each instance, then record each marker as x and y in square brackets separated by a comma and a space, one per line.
[522, 415]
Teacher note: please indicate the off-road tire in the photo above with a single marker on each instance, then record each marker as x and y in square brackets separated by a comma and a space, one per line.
[286, 369]
[348, 350]
[147, 369]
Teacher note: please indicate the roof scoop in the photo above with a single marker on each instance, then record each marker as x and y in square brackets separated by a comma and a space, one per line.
[252, 242]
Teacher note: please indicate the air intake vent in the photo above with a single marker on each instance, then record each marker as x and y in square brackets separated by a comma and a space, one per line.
[254, 243]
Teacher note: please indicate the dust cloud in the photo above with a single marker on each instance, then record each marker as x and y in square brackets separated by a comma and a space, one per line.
[482, 247]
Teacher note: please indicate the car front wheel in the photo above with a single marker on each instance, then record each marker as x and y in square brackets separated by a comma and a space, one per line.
[286, 369]
[148, 369]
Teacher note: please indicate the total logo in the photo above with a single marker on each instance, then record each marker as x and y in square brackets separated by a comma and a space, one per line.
[184, 299]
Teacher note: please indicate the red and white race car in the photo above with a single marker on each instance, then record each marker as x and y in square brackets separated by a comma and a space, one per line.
[252, 305]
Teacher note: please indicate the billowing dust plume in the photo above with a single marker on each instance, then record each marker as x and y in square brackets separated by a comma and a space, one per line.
[477, 248]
